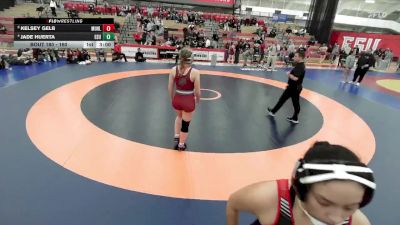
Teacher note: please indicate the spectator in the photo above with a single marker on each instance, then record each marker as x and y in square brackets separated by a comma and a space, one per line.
[334, 53]
[342, 57]
[50, 55]
[378, 57]
[231, 53]
[272, 55]
[138, 21]
[248, 54]
[347, 49]
[302, 31]
[365, 61]
[139, 56]
[238, 48]
[70, 57]
[349, 64]
[288, 30]
[387, 59]
[357, 49]
[53, 7]
[208, 43]
[3, 62]
[144, 38]
[107, 7]
[153, 38]
[3, 29]
[117, 55]
[398, 64]
[137, 37]
[215, 40]
[322, 51]
[73, 13]
[85, 55]
[91, 9]
[100, 53]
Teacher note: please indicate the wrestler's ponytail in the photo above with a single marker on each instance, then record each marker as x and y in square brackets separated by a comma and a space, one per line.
[185, 57]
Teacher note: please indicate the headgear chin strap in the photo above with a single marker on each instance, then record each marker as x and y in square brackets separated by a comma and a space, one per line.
[314, 220]
[338, 171]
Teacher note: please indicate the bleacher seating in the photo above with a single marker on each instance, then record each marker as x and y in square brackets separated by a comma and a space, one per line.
[212, 19]
[395, 16]
[8, 23]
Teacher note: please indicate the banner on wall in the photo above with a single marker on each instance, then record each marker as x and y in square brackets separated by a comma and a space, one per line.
[220, 56]
[151, 53]
[224, 2]
[367, 41]
[290, 18]
[200, 55]
[280, 18]
[205, 55]
[210, 3]
[275, 17]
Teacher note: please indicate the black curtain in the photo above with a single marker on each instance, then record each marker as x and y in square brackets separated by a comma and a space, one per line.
[320, 19]
[5, 4]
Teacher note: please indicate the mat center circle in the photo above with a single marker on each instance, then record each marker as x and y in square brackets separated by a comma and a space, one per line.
[139, 109]
[217, 94]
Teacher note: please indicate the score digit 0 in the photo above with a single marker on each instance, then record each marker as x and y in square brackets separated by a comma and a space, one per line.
[108, 37]
[108, 28]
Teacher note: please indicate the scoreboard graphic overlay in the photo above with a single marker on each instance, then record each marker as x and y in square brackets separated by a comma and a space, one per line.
[63, 33]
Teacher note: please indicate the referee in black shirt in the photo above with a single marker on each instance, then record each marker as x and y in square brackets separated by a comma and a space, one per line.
[293, 89]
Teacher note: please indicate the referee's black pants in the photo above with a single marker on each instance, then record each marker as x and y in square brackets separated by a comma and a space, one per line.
[359, 73]
[290, 92]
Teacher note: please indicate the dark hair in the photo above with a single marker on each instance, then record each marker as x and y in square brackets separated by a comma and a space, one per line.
[326, 153]
[301, 54]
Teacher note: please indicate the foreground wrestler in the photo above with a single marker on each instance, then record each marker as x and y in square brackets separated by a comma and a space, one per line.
[328, 186]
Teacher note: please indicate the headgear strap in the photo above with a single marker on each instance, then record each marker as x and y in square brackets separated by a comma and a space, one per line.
[339, 171]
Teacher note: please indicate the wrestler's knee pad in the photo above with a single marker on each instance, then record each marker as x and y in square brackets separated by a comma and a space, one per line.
[185, 126]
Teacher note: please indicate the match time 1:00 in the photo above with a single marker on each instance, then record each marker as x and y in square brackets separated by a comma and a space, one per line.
[104, 44]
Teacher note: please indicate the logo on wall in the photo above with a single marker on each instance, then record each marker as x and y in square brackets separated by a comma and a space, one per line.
[362, 42]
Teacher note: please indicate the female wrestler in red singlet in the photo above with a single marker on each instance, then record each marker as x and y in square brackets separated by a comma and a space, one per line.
[184, 96]
[329, 185]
